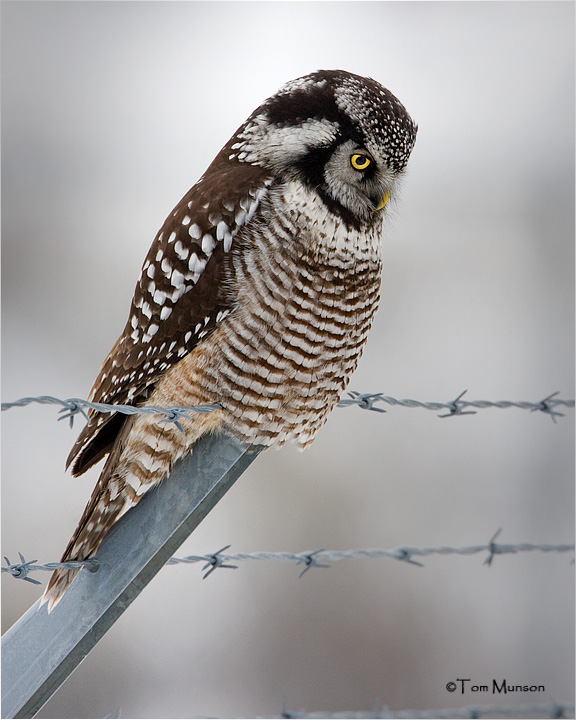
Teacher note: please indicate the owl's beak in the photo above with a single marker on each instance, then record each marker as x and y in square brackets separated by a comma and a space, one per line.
[383, 200]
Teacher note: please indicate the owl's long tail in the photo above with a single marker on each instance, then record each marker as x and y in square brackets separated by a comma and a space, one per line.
[143, 454]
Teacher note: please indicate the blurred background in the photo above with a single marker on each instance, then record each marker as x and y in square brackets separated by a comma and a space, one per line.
[110, 112]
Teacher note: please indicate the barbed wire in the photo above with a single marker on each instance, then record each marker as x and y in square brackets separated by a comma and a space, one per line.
[74, 406]
[458, 406]
[322, 558]
[22, 569]
[542, 710]
[366, 401]
[315, 559]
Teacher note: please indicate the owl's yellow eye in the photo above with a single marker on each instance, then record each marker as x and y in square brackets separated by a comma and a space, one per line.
[360, 162]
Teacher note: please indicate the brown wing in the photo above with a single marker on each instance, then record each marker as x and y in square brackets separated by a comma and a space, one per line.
[181, 295]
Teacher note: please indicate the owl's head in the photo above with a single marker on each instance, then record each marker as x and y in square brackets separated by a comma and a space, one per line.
[344, 136]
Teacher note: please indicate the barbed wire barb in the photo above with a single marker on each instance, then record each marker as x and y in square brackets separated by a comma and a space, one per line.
[493, 548]
[311, 560]
[545, 407]
[216, 560]
[20, 570]
[70, 412]
[405, 555]
[456, 407]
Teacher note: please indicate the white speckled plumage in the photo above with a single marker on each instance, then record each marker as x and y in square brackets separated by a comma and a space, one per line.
[258, 292]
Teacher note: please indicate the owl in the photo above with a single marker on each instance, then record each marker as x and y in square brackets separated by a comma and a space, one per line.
[257, 294]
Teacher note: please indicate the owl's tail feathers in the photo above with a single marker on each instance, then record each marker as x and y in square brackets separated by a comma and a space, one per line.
[142, 456]
[101, 513]
[111, 498]
[83, 545]
[59, 583]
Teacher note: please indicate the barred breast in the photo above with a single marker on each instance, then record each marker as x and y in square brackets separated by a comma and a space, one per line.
[307, 292]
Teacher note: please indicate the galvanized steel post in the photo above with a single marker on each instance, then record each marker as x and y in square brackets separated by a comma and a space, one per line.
[41, 650]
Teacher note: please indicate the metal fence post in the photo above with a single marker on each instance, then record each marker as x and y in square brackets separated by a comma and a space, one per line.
[41, 650]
